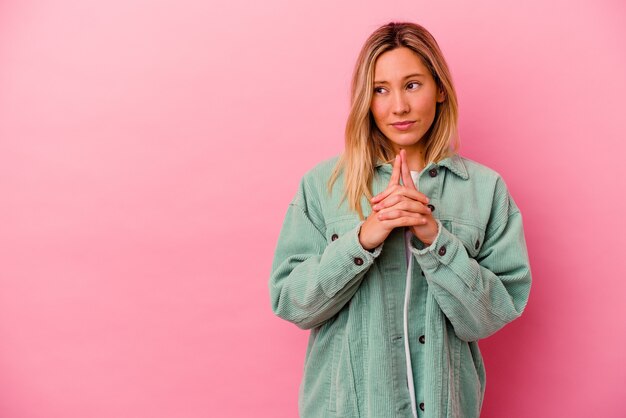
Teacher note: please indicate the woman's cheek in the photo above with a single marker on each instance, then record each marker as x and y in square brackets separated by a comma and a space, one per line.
[377, 108]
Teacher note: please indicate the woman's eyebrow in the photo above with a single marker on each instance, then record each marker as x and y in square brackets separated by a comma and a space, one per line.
[405, 77]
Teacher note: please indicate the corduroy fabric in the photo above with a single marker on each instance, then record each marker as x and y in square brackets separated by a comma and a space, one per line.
[470, 282]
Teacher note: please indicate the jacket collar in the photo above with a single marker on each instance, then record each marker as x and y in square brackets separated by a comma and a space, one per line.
[454, 163]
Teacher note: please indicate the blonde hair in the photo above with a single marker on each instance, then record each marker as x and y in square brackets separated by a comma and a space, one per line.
[364, 142]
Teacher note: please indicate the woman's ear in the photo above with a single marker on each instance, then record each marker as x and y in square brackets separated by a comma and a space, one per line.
[441, 95]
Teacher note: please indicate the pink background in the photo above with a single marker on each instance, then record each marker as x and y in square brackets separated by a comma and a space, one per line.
[149, 149]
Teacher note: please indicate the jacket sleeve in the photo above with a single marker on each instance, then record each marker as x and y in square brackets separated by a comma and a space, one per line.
[313, 278]
[479, 296]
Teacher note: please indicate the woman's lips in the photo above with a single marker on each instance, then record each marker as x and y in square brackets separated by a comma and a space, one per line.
[402, 126]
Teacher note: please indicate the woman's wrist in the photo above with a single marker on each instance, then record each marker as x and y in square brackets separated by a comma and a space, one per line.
[366, 246]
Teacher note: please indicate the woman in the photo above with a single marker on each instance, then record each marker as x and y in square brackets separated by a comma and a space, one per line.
[399, 254]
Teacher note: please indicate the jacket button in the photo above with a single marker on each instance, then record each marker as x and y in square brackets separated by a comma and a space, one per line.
[477, 244]
[433, 172]
[422, 406]
[422, 339]
[358, 261]
[442, 250]
[334, 237]
[431, 207]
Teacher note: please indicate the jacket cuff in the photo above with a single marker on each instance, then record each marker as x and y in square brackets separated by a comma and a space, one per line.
[349, 256]
[441, 250]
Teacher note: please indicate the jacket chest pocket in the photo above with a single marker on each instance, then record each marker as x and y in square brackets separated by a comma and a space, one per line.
[339, 226]
[471, 236]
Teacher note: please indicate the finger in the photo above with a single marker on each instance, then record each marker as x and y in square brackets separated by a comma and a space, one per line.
[406, 173]
[394, 180]
[401, 218]
[408, 205]
[379, 195]
[395, 173]
[383, 195]
[401, 193]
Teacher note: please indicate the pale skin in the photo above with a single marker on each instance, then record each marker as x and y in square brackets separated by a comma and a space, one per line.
[404, 89]
[398, 206]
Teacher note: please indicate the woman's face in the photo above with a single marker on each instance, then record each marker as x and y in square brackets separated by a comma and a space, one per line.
[404, 90]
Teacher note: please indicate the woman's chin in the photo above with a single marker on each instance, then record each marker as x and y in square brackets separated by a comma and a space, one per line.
[404, 141]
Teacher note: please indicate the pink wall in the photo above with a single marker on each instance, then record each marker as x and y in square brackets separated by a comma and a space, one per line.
[149, 149]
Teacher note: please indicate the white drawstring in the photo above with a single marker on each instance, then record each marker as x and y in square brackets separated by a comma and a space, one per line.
[407, 295]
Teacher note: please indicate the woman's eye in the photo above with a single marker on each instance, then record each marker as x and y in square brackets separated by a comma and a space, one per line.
[415, 83]
[376, 89]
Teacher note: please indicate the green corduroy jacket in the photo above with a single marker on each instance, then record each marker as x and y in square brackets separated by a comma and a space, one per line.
[471, 281]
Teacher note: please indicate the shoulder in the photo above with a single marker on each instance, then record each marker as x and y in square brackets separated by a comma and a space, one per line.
[315, 179]
[312, 189]
[322, 170]
[489, 182]
[478, 171]
[482, 176]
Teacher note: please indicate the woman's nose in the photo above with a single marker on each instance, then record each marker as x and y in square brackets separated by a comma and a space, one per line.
[400, 104]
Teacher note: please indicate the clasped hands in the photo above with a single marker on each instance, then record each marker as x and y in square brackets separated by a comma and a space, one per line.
[398, 206]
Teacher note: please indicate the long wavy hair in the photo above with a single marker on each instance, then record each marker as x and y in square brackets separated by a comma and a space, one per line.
[365, 144]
